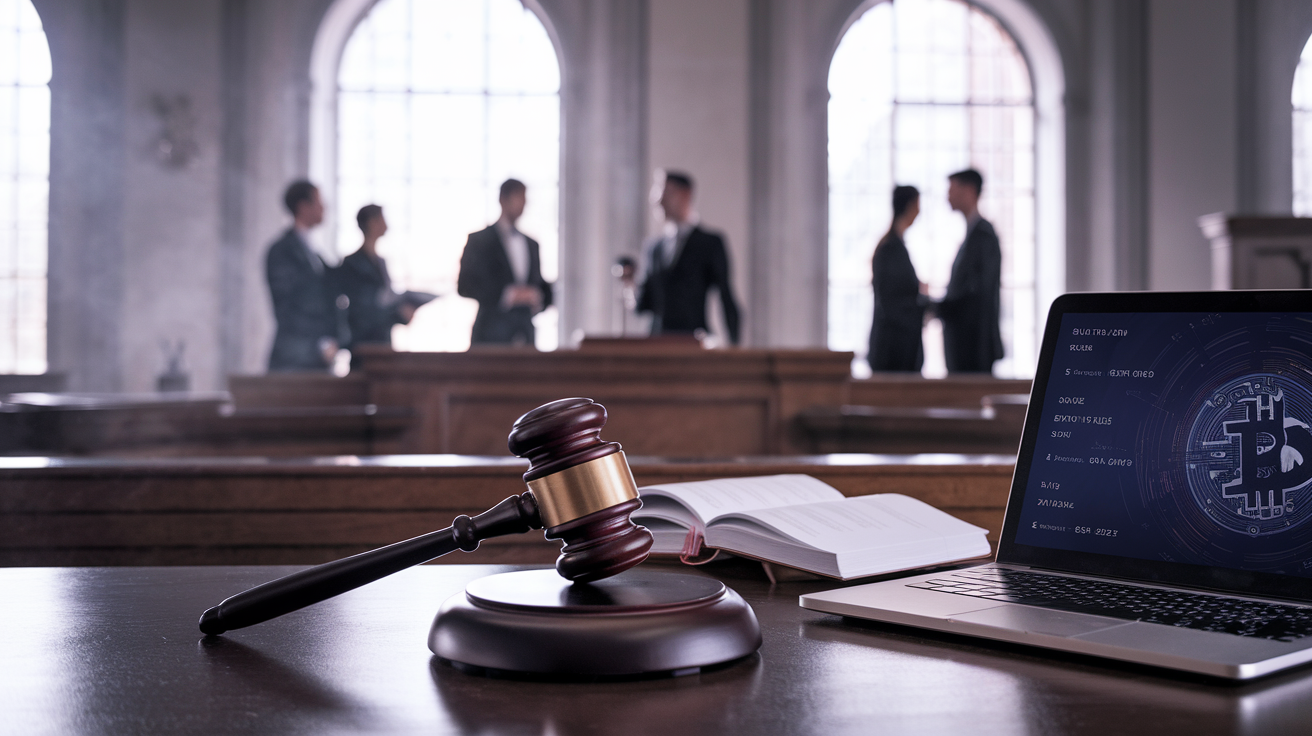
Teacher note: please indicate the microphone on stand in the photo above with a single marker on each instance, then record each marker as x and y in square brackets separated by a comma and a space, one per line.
[625, 269]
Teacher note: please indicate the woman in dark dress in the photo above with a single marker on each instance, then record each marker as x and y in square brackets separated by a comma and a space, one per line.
[899, 296]
[362, 277]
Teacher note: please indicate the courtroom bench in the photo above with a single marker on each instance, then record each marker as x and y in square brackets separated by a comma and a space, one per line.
[186, 424]
[303, 511]
[992, 427]
[297, 389]
[14, 383]
[962, 391]
[666, 399]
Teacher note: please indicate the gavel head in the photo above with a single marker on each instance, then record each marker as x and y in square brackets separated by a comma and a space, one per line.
[584, 489]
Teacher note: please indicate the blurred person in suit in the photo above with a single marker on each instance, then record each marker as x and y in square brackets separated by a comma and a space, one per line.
[501, 269]
[972, 339]
[304, 300]
[900, 300]
[683, 265]
[373, 307]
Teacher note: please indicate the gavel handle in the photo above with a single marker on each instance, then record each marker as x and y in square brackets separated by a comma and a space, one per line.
[514, 515]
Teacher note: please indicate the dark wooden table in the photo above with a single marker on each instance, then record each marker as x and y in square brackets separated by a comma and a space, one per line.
[116, 651]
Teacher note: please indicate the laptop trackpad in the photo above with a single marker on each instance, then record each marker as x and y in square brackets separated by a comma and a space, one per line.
[1038, 620]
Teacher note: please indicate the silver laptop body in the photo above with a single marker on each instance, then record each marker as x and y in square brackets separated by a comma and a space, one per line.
[1166, 458]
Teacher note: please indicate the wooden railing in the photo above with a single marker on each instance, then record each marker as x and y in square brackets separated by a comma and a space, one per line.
[260, 511]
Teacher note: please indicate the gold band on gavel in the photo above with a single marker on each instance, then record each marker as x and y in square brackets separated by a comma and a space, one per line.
[583, 489]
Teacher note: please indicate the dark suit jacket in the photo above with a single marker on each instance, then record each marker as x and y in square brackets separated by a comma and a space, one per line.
[895, 343]
[676, 294]
[366, 283]
[485, 273]
[304, 304]
[972, 340]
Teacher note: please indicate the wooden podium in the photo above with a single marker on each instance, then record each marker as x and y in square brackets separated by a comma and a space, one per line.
[664, 399]
[1252, 252]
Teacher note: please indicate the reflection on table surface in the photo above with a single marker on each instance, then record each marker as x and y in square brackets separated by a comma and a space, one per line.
[116, 650]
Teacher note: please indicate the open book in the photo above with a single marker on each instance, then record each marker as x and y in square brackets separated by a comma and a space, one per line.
[802, 522]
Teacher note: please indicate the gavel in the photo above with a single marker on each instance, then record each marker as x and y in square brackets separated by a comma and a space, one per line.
[580, 490]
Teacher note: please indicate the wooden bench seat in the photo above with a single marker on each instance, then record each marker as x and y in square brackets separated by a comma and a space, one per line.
[994, 426]
[190, 424]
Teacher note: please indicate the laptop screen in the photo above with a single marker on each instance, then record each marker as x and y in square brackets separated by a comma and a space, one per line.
[1179, 439]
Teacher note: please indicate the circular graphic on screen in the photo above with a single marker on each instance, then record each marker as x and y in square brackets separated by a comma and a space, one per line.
[1249, 455]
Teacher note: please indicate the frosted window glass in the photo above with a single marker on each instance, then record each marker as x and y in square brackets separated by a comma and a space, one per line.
[439, 101]
[920, 89]
[24, 187]
[1302, 100]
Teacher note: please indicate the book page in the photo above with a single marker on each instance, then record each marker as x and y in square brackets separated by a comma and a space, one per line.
[853, 524]
[667, 510]
[711, 499]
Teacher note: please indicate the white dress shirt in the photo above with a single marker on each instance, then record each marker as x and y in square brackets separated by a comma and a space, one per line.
[516, 246]
[316, 262]
[675, 236]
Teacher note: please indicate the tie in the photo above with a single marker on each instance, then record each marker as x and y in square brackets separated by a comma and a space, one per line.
[669, 246]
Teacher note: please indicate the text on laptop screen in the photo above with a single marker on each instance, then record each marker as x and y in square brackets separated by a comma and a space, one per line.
[1177, 437]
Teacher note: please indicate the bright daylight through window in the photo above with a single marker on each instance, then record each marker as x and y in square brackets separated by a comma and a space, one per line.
[1302, 101]
[920, 89]
[24, 187]
[439, 101]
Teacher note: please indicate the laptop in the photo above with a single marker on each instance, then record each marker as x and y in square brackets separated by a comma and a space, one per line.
[1161, 507]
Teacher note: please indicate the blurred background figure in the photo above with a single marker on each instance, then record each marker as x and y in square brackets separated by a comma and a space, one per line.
[683, 265]
[372, 307]
[304, 302]
[972, 338]
[895, 342]
[501, 269]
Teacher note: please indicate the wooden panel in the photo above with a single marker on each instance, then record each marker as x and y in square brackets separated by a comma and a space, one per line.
[190, 425]
[302, 512]
[692, 428]
[906, 430]
[1259, 252]
[663, 399]
[297, 389]
[677, 427]
[965, 392]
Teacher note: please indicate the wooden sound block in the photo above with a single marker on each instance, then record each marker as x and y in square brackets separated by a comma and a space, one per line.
[639, 622]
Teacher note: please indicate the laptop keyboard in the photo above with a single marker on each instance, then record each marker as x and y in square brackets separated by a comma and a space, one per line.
[1151, 605]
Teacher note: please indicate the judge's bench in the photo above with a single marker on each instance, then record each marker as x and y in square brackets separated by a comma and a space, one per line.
[667, 399]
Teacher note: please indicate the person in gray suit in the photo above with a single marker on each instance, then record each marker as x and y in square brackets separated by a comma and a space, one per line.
[501, 269]
[972, 340]
[304, 300]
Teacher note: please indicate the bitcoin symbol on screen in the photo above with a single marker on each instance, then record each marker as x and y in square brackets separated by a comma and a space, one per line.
[1249, 457]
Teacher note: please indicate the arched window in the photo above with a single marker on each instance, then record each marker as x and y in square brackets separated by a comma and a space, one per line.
[24, 187]
[920, 89]
[1302, 100]
[438, 102]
